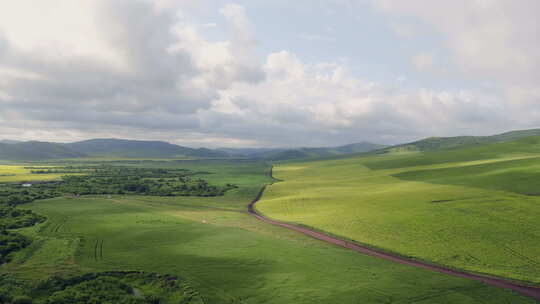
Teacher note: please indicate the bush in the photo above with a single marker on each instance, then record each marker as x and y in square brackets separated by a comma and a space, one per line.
[22, 300]
[10, 242]
[5, 297]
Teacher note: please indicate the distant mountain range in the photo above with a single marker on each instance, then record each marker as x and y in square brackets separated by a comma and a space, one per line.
[35, 150]
[8, 141]
[322, 152]
[139, 148]
[120, 148]
[123, 148]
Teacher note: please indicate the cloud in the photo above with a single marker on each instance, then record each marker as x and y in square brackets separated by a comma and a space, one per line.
[324, 103]
[423, 61]
[209, 25]
[143, 69]
[496, 40]
[403, 30]
[491, 42]
[319, 38]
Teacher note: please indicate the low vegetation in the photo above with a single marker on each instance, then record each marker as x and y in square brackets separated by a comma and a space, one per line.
[11, 242]
[17, 174]
[107, 287]
[107, 179]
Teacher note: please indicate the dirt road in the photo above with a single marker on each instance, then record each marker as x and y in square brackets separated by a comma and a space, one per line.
[533, 292]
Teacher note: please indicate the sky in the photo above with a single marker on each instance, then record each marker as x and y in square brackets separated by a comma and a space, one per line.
[254, 73]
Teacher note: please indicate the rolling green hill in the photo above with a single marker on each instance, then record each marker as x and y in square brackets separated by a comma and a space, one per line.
[521, 147]
[474, 207]
[437, 143]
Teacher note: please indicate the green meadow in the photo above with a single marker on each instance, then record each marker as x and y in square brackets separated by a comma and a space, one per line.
[474, 208]
[225, 254]
[18, 173]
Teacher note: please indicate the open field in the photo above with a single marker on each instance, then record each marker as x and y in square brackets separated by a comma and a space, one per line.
[16, 173]
[466, 209]
[226, 255]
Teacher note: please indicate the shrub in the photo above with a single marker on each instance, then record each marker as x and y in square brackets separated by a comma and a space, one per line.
[22, 300]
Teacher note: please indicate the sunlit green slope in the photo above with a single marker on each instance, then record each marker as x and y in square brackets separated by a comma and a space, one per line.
[473, 208]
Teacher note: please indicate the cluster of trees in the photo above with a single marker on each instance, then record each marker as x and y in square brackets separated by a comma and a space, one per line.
[13, 218]
[14, 194]
[140, 181]
[99, 290]
[83, 185]
[9, 243]
[113, 180]
[107, 287]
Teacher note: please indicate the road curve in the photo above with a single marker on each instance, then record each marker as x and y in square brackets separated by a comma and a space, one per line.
[533, 292]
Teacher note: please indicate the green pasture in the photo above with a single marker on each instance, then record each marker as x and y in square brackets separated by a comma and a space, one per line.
[522, 148]
[15, 173]
[468, 209]
[225, 254]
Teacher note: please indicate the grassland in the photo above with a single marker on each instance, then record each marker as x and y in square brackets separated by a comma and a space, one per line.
[472, 208]
[16, 173]
[226, 255]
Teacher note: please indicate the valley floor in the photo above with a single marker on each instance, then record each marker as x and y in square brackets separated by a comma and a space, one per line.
[226, 255]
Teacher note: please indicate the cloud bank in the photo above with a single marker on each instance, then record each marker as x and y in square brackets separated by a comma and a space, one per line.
[146, 70]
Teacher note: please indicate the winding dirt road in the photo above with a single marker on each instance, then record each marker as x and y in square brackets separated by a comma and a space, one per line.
[533, 292]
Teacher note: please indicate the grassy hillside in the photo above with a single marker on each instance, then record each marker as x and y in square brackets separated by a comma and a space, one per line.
[221, 251]
[437, 143]
[519, 176]
[525, 147]
[466, 208]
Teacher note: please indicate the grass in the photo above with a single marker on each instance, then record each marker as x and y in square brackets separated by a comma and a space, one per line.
[14, 173]
[518, 176]
[465, 209]
[225, 254]
[525, 147]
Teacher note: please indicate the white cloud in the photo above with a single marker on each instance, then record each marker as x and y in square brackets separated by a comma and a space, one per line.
[323, 103]
[143, 67]
[320, 38]
[423, 61]
[403, 30]
[489, 39]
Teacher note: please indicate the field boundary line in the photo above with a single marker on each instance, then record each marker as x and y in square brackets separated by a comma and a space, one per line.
[530, 291]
